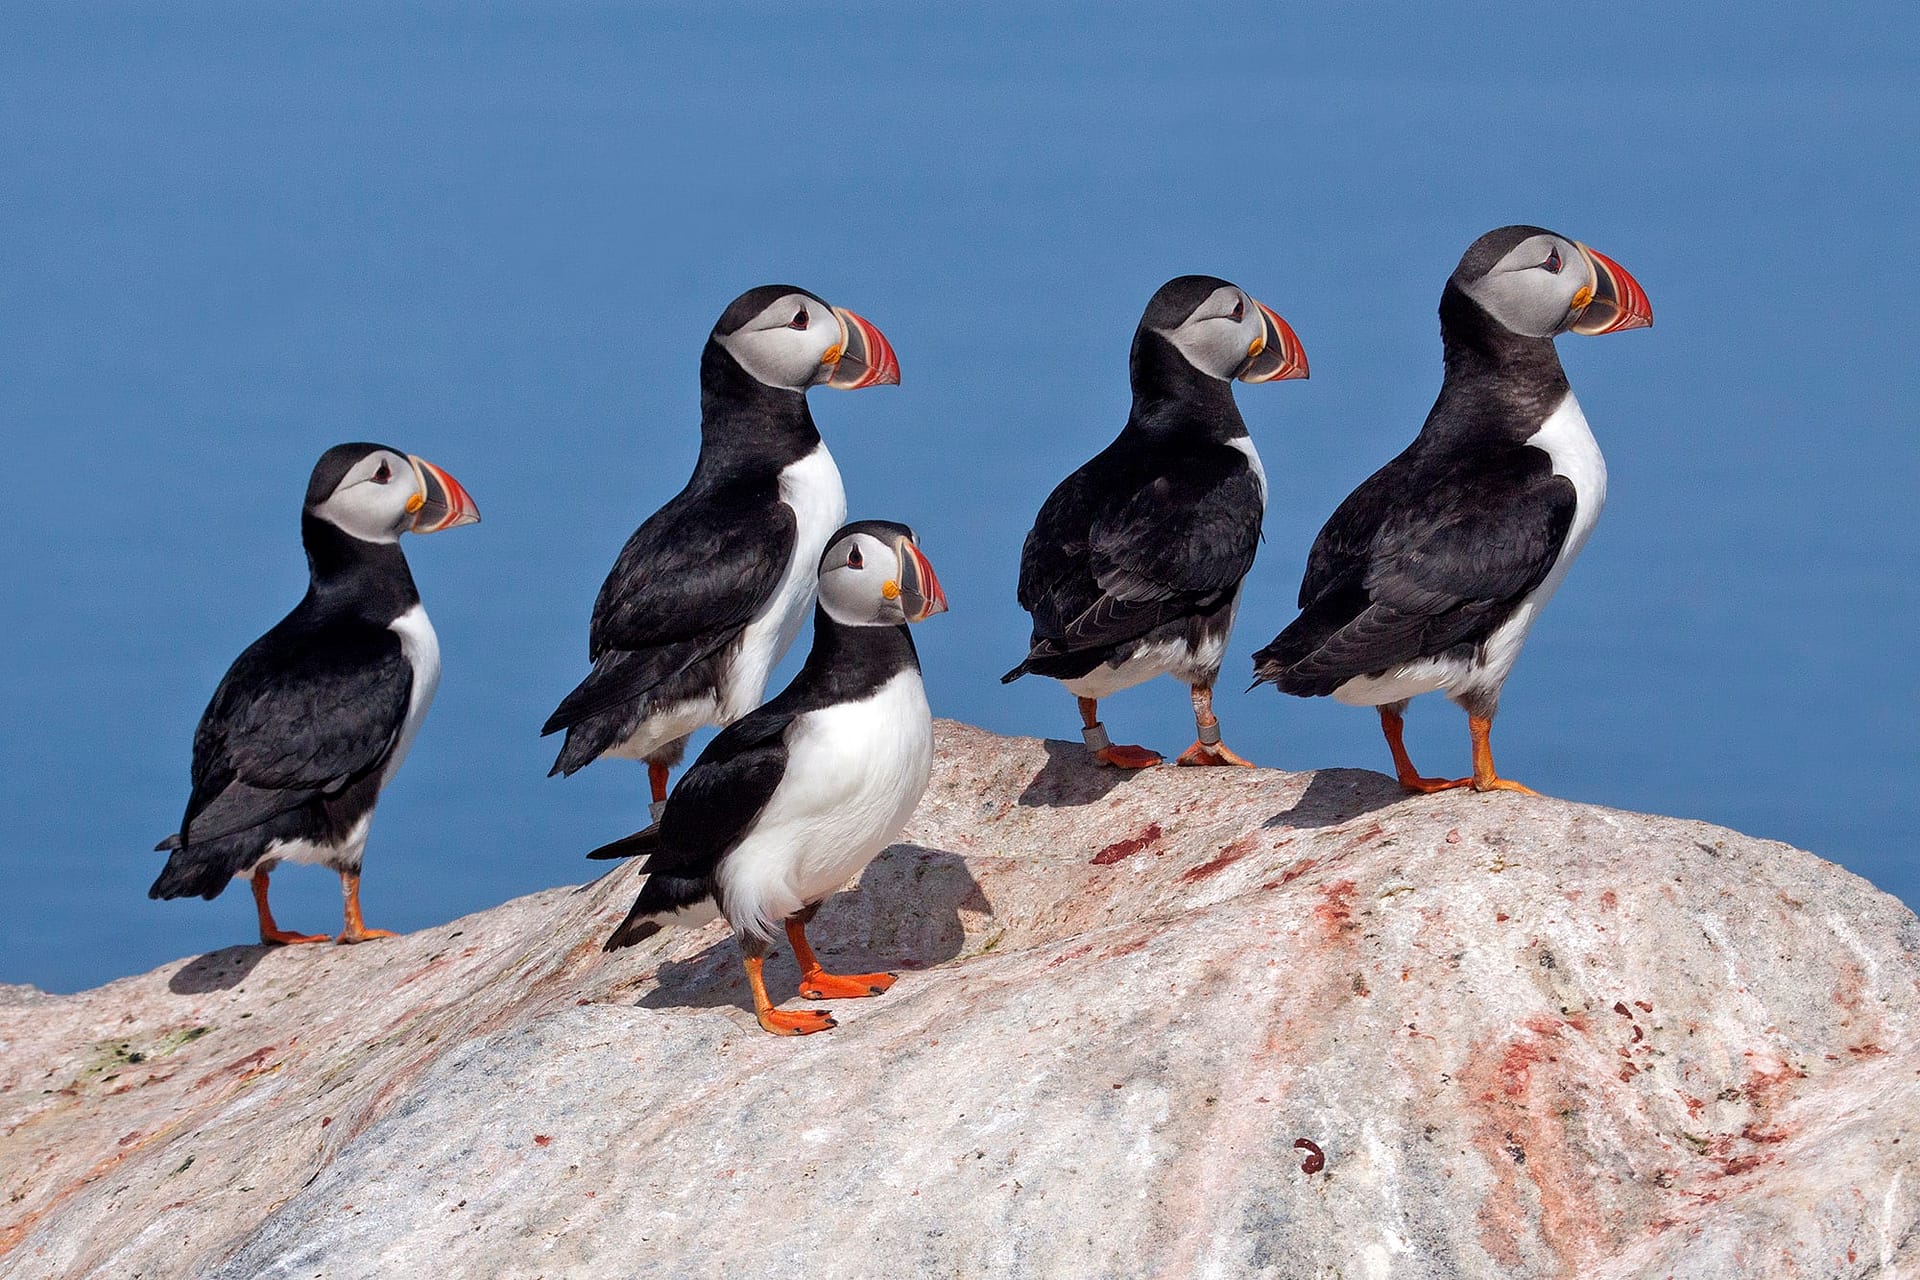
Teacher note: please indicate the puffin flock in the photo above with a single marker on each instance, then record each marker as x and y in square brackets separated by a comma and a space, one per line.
[1426, 578]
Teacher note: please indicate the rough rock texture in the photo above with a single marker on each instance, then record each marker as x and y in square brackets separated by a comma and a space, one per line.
[1531, 1038]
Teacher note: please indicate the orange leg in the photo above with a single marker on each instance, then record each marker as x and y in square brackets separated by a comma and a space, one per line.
[1207, 748]
[657, 779]
[356, 930]
[1105, 752]
[1391, 724]
[271, 934]
[817, 984]
[1484, 778]
[799, 1022]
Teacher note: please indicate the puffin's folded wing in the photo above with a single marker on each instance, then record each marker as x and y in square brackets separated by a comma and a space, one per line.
[693, 573]
[1176, 545]
[717, 801]
[1442, 568]
[294, 721]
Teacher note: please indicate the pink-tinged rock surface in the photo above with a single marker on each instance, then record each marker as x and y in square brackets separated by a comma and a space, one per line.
[1531, 1038]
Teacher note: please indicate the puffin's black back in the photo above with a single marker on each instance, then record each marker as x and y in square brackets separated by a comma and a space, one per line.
[1437, 548]
[292, 744]
[1159, 525]
[700, 568]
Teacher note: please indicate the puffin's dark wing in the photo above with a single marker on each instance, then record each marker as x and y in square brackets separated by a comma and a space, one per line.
[1445, 566]
[690, 577]
[694, 569]
[1344, 544]
[297, 716]
[717, 800]
[1055, 582]
[1175, 544]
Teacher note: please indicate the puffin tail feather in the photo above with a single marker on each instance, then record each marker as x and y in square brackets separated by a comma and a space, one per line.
[663, 900]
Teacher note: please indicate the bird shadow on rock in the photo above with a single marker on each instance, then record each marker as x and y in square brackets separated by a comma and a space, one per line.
[1070, 778]
[220, 970]
[903, 915]
[1334, 796]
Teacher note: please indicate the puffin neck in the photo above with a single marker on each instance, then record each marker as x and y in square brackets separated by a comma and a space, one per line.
[743, 417]
[844, 657]
[1170, 395]
[371, 578]
[1498, 379]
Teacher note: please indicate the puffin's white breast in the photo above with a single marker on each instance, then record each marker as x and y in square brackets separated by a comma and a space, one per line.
[1566, 439]
[421, 647]
[854, 773]
[812, 488]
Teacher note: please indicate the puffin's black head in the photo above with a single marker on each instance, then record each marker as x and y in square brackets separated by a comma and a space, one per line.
[375, 494]
[873, 575]
[788, 338]
[1223, 332]
[1538, 284]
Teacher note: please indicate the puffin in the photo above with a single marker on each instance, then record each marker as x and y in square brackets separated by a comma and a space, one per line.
[794, 799]
[1133, 566]
[1430, 575]
[313, 719]
[709, 592]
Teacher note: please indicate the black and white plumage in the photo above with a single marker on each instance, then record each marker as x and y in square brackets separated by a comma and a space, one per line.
[1134, 564]
[792, 800]
[314, 718]
[709, 592]
[1430, 575]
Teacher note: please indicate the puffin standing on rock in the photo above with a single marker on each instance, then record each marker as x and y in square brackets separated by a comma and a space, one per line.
[1431, 573]
[710, 591]
[791, 801]
[1134, 564]
[314, 718]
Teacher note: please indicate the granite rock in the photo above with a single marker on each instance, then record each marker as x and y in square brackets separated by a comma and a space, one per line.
[1523, 1037]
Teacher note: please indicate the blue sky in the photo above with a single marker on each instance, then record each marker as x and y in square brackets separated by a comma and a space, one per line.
[497, 235]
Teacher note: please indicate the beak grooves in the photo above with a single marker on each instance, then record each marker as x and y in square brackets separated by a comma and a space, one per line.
[867, 360]
[445, 504]
[1282, 356]
[1618, 300]
[920, 593]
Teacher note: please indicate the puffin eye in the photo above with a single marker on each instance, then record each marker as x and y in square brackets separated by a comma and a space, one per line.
[854, 560]
[1552, 263]
[1239, 311]
[799, 320]
[384, 474]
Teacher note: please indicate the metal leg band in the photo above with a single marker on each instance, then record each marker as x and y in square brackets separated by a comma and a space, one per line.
[1209, 734]
[1095, 736]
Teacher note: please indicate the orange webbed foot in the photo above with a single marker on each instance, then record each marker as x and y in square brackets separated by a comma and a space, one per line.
[821, 985]
[1211, 754]
[288, 938]
[796, 1022]
[363, 934]
[1427, 786]
[1120, 757]
[1502, 784]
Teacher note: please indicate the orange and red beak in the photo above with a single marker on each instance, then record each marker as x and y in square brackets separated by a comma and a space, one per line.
[1617, 301]
[1276, 354]
[442, 503]
[920, 593]
[866, 357]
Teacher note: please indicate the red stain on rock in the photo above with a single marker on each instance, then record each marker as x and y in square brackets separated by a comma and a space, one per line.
[1297, 870]
[1066, 956]
[1335, 912]
[1542, 1197]
[542, 1140]
[1225, 858]
[1609, 899]
[1121, 849]
[244, 1068]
